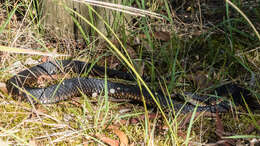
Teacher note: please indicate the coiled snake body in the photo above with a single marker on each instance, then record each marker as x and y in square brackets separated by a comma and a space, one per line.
[89, 86]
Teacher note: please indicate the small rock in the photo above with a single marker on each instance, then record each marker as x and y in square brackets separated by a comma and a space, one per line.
[30, 61]
[15, 67]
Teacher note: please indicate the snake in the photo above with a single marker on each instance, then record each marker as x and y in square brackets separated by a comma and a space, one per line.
[19, 86]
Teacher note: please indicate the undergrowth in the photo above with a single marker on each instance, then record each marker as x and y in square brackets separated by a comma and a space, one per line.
[178, 50]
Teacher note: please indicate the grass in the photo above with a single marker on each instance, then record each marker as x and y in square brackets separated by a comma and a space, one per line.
[227, 51]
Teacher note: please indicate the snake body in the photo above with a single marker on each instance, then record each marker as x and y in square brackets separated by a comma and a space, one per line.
[90, 86]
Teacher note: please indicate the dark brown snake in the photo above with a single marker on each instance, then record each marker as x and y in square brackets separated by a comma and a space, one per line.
[92, 87]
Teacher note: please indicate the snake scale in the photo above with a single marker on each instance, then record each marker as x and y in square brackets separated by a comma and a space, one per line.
[73, 87]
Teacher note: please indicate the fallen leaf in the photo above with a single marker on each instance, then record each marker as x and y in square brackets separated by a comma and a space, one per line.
[45, 59]
[107, 140]
[220, 132]
[186, 120]
[142, 117]
[3, 88]
[219, 126]
[43, 79]
[121, 135]
[162, 36]
[252, 128]
[188, 117]
[131, 51]
[134, 121]
[200, 79]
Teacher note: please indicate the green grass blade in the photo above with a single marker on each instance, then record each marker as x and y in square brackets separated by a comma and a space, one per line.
[10, 15]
